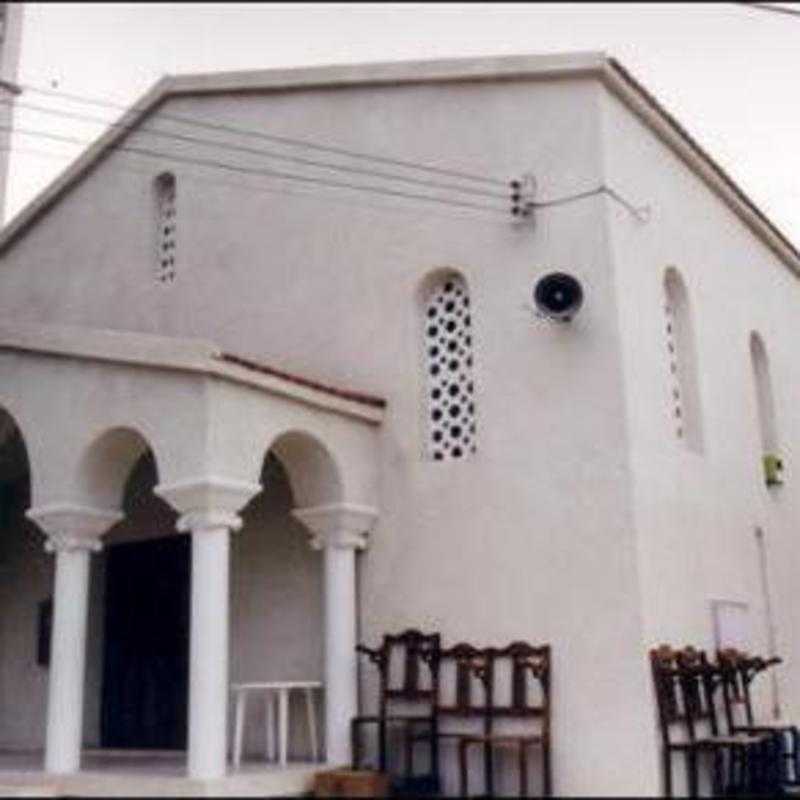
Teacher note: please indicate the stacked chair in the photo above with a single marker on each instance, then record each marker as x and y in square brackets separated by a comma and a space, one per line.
[401, 660]
[473, 713]
[738, 670]
[689, 690]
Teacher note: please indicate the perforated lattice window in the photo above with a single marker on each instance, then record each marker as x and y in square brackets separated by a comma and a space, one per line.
[448, 365]
[675, 386]
[683, 367]
[166, 222]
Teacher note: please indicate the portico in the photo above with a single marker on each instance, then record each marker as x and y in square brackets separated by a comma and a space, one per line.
[88, 404]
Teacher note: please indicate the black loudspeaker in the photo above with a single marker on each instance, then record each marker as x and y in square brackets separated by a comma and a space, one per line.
[558, 296]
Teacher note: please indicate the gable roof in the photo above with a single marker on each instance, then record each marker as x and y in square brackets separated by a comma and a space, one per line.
[502, 68]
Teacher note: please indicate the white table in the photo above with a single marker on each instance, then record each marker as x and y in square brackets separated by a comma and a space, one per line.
[276, 693]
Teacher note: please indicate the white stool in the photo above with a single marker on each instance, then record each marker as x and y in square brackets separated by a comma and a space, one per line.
[275, 693]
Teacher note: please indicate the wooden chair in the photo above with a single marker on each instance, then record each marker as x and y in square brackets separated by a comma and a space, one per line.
[738, 671]
[476, 668]
[400, 660]
[685, 684]
[527, 663]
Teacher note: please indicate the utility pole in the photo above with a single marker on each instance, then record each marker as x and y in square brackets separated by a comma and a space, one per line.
[10, 41]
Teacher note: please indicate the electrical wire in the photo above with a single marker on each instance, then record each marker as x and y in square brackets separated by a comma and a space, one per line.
[449, 187]
[270, 173]
[272, 137]
[260, 188]
[640, 213]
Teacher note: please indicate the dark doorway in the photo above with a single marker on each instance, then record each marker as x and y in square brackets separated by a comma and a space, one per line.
[146, 651]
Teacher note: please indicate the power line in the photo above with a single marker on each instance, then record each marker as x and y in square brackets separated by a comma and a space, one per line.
[256, 151]
[270, 173]
[260, 188]
[272, 137]
[641, 213]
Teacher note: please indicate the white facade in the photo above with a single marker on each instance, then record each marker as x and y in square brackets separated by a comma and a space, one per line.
[581, 519]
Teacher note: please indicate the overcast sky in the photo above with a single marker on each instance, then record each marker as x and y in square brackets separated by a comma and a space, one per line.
[729, 73]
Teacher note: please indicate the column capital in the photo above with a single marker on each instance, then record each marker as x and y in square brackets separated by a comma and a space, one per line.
[341, 525]
[208, 503]
[72, 527]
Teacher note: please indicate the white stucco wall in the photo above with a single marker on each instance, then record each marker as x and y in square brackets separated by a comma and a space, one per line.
[696, 514]
[533, 538]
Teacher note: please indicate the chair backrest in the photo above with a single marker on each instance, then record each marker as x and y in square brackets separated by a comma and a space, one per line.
[736, 691]
[399, 660]
[473, 665]
[685, 685]
[739, 668]
[478, 682]
[412, 647]
[530, 666]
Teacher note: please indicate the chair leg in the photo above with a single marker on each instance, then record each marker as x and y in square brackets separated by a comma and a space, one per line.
[548, 770]
[382, 745]
[717, 774]
[523, 770]
[667, 760]
[488, 763]
[691, 769]
[409, 748]
[354, 745]
[463, 771]
[435, 753]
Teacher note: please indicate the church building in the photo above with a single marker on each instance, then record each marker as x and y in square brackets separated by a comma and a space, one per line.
[276, 380]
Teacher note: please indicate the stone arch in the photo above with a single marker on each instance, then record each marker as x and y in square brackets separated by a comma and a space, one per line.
[106, 464]
[26, 572]
[13, 445]
[433, 278]
[314, 474]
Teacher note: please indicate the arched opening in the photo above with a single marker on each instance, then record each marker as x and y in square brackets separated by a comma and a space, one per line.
[447, 363]
[166, 225]
[277, 593]
[765, 410]
[683, 367]
[138, 634]
[26, 585]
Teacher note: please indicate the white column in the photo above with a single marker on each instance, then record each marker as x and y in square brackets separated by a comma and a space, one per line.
[339, 530]
[209, 506]
[73, 534]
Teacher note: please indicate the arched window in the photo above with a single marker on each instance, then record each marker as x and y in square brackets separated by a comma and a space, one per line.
[765, 409]
[450, 389]
[765, 404]
[684, 384]
[166, 220]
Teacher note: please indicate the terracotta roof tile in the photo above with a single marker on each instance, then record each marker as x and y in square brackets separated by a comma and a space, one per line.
[345, 394]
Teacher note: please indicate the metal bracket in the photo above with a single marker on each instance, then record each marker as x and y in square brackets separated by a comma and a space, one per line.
[523, 197]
